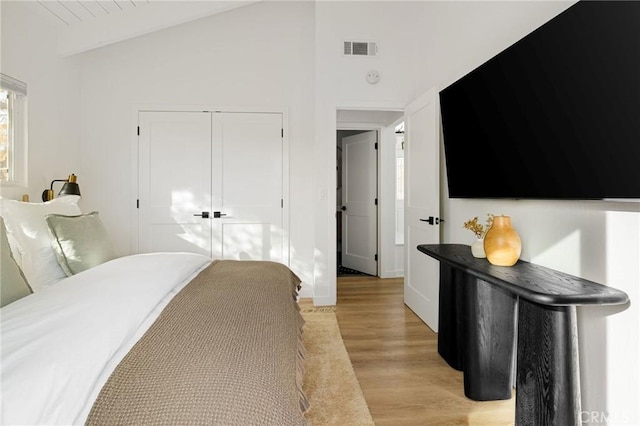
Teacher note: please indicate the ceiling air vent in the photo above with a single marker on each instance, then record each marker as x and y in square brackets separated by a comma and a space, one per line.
[360, 48]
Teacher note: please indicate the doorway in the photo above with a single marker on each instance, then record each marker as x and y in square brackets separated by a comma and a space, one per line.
[421, 168]
[390, 251]
[357, 202]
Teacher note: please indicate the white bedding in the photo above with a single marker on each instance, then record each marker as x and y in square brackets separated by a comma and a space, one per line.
[60, 345]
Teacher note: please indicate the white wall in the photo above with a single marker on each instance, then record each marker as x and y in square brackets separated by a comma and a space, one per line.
[53, 96]
[260, 56]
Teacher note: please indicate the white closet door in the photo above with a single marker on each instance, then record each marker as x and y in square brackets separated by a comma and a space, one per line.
[174, 182]
[248, 186]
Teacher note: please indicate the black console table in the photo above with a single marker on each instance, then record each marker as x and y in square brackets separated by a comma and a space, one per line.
[481, 306]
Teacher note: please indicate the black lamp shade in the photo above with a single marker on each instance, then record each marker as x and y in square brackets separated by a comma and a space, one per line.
[70, 188]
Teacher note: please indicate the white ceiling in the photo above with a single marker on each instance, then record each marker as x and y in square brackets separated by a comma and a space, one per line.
[87, 24]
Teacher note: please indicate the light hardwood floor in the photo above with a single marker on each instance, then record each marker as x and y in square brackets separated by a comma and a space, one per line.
[394, 355]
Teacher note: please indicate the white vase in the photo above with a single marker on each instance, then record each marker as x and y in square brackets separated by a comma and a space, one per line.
[477, 248]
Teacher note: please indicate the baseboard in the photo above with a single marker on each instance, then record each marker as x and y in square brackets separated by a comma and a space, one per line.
[392, 274]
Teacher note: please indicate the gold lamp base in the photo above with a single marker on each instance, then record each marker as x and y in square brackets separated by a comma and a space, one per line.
[47, 195]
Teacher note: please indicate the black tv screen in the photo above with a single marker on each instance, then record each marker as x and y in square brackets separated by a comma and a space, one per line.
[554, 116]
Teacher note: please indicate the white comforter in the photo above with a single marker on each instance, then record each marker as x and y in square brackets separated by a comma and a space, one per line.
[60, 345]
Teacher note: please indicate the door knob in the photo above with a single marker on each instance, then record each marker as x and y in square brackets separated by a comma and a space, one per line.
[204, 215]
[432, 220]
[218, 215]
[343, 208]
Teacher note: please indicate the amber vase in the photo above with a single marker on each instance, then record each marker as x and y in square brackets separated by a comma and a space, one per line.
[502, 243]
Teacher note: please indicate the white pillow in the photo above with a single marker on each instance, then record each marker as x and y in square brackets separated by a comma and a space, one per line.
[80, 242]
[25, 223]
[13, 285]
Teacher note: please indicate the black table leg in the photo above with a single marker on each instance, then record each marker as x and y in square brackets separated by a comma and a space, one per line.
[489, 317]
[547, 378]
[449, 325]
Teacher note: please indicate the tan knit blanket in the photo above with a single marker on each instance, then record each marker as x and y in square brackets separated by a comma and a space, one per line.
[227, 350]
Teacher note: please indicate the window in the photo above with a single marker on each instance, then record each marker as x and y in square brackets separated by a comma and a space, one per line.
[400, 177]
[13, 131]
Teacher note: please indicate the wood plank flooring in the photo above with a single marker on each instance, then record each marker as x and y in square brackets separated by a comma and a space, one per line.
[394, 355]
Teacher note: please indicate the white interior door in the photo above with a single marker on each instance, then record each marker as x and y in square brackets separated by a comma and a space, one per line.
[174, 182]
[212, 183]
[422, 206]
[359, 209]
[248, 186]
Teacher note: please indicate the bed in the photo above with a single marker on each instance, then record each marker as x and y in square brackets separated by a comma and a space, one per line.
[157, 338]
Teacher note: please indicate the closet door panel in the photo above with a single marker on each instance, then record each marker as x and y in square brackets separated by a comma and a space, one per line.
[248, 161]
[174, 182]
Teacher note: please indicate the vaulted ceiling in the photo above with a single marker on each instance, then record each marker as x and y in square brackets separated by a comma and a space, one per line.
[87, 24]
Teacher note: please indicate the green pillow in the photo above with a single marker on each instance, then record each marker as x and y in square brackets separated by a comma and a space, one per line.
[80, 242]
[13, 285]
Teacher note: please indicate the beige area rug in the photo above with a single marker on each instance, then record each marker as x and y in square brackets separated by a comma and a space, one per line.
[329, 381]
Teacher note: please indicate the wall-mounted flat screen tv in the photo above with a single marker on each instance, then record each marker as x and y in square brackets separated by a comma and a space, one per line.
[554, 116]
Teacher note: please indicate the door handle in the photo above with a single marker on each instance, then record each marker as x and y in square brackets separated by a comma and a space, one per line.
[343, 208]
[431, 220]
[218, 215]
[204, 215]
